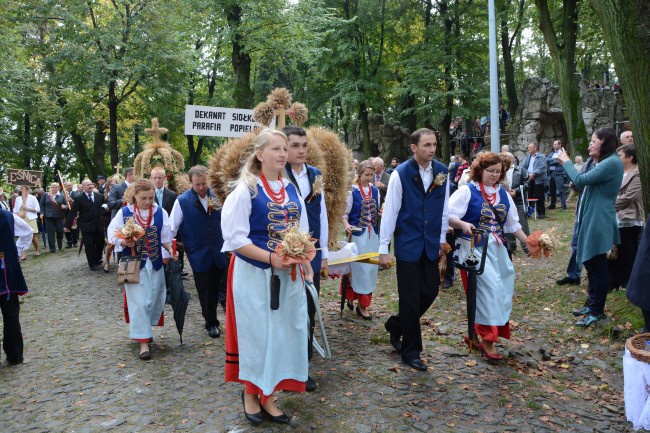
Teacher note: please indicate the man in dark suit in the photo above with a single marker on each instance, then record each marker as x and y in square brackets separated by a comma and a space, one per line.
[381, 179]
[116, 195]
[88, 205]
[164, 196]
[101, 184]
[52, 205]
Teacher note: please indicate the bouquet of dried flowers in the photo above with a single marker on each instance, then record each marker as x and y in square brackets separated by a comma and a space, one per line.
[539, 243]
[296, 247]
[130, 232]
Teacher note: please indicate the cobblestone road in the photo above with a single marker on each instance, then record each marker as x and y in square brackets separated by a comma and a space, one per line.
[82, 374]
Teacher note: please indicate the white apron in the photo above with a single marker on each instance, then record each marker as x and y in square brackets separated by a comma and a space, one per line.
[364, 276]
[146, 301]
[495, 286]
[272, 344]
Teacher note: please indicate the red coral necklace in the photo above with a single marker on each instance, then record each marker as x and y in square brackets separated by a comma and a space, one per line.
[490, 198]
[277, 197]
[144, 223]
[363, 195]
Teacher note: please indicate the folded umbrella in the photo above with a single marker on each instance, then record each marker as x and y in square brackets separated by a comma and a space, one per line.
[178, 297]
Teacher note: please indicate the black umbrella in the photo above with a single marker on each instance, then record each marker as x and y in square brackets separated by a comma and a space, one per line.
[178, 297]
[474, 267]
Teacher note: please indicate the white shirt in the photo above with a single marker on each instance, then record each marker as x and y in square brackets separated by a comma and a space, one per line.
[459, 202]
[176, 216]
[32, 203]
[393, 204]
[24, 233]
[302, 180]
[236, 212]
[118, 222]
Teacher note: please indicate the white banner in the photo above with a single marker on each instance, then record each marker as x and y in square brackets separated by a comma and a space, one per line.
[220, 121]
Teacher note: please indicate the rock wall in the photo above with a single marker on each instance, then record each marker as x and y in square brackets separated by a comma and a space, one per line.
[538, 119]
[539, 116]
[392, 140]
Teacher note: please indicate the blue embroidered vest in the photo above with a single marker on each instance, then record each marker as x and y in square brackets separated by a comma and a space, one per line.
[419, 222]
[268, 219]
[12, 280]
[151, 238]
[364, 211]
[480, 215]
[201, 233]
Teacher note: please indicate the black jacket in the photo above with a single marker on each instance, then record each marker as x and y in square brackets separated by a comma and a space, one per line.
[90, 213]
[169, 197]
[638, 290]
[49, 210]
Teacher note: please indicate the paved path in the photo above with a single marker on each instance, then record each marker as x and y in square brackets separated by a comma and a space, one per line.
[82, 374]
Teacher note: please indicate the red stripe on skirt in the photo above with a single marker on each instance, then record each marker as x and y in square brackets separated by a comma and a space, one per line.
[231, 370]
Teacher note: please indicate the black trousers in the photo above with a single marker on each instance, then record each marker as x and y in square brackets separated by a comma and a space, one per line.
[72, 237]
[621, 268]
[12, 341]
[54, 226]
[208, 286]
[417, 285]
[94, 247]
[311, 306]
[598, 283]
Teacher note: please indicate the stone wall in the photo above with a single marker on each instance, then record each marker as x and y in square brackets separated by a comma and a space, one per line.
[392, 140]
[538, 119]
[539, 116]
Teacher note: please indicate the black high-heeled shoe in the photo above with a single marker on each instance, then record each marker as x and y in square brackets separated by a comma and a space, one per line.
[282, 418]
[350, 305]
[255, 418]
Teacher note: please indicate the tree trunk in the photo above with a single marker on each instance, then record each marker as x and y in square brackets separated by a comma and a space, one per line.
[27, 141]
[365, 131]
[100, 150]
[508, 65]
[113, 103]
[80, 150]
[624, 24]
[562, 48]
[241, 60]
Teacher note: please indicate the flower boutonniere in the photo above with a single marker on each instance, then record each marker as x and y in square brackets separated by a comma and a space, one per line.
[317, 187]
[440, 180]
[212, 204]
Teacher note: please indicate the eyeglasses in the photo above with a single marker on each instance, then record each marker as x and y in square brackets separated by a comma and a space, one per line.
[495, 172]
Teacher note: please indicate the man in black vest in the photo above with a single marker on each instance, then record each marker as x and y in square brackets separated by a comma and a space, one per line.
[304, 177]
[416, 212]
[12, 282]
[199, 222]
[88, 205]
[52, 209]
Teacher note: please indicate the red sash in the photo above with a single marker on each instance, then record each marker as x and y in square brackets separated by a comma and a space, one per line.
[56, 205]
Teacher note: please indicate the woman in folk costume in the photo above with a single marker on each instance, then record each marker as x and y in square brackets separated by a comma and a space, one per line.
[362, 213]
[266, 349]
[26, 207]
[484, 204]
[145, 300]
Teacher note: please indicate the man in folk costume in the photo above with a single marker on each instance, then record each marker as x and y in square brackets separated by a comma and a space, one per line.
[52, 205]
[416, 212]
[12, 282]
[88, 205]
[196, 217]
[308, 181]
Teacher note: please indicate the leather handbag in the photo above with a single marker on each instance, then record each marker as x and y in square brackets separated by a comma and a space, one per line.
[128, 270]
